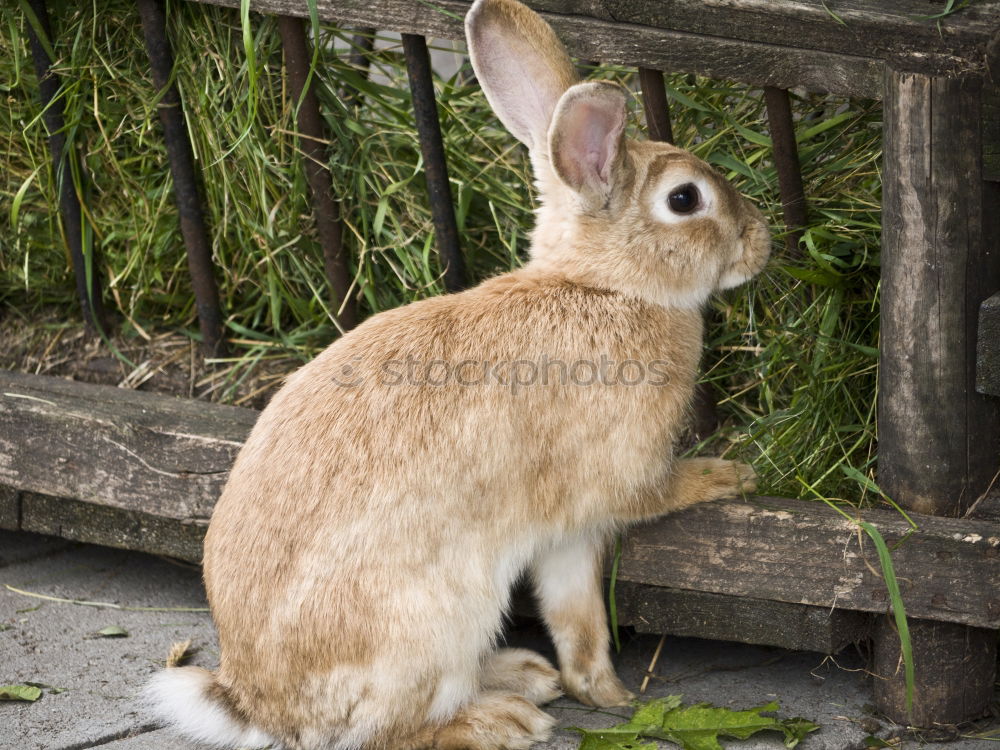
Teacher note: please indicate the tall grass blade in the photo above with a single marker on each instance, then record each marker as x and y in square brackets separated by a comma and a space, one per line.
[898, 612]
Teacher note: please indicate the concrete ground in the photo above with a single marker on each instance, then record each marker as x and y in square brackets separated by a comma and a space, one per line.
[90, 681]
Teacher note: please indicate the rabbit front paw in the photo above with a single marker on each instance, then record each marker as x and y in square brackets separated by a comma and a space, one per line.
[602, 689]
[700, 480]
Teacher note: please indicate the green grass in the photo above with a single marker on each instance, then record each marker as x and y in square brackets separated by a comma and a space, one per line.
[791, 356]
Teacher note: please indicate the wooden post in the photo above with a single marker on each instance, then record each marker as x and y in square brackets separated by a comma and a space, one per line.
[938, 438]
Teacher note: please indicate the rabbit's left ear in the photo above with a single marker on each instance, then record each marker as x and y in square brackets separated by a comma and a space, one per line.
[586, 139]
[521, 65]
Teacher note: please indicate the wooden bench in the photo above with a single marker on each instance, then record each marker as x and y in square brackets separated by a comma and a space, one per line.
[142, 471]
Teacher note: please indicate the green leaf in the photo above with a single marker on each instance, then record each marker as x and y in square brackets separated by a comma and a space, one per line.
[814, 276]
[898, 611]
[19, 693]
[696, 727]
[651, 714]
[612, 739]
[612, 600]
[871, 741]
[15, 206]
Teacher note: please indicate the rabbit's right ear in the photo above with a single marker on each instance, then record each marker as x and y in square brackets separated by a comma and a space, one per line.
[521, 65]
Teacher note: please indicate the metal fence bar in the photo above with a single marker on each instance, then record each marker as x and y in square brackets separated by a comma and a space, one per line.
[362, 44]
[89, 294]
[704, 415]
[326, 209]
[654, 102]
[786, 160]
[418, 66]
[193, 228]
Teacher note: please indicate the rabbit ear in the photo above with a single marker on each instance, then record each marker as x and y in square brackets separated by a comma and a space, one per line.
[521, 65]
[585, 140]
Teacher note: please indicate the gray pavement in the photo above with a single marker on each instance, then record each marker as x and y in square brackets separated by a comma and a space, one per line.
[91, 681]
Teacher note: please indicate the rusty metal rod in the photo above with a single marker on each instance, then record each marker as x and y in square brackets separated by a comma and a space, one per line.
[89, 295]
[786, 160]
[326, 209]
[362, 44]
[418, 67]
[704, 414]
[654, 102]
[192, 220]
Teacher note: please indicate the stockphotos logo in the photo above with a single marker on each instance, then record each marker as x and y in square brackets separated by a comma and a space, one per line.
[515, 375]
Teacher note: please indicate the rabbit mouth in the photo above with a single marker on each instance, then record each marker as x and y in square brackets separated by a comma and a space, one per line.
[754, 248]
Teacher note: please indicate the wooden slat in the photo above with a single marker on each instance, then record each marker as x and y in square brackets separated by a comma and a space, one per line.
[771, 63]
[101, 524]
[838, 47]
[165, 456]
[168, 458]
[897, 31]
[651, 609]
[807, 553]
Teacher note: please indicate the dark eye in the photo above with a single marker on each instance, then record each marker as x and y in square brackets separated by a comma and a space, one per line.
[684, 199]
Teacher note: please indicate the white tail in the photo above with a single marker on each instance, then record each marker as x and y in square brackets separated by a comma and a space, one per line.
[187, 700]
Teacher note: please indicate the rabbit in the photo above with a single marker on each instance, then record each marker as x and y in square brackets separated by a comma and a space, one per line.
[360, 560]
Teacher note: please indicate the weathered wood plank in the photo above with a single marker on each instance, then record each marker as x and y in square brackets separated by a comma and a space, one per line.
[896, 31]
[10, 508]
[651, 609]
[167, 456]
[807, 553]
[591, 38]
[839, 47]
[103, 524]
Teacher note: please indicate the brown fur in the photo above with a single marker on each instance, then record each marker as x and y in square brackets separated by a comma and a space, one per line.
[359, 560]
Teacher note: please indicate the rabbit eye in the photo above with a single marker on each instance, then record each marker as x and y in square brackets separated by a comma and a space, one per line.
[684, 199]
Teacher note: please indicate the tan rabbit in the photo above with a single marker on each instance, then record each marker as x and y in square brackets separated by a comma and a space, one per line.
[360, 559]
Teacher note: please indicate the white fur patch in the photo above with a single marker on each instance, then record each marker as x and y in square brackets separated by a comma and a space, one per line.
[565, 572]
[452, 692]
[177, 698]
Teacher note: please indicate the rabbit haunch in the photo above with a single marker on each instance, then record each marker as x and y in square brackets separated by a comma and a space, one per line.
[360, 559]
